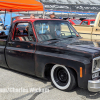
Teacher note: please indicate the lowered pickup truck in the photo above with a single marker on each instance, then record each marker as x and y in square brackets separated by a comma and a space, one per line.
[90, 31]
[51, 48]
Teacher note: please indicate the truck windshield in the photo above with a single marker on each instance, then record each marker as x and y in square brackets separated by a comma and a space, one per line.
[54, 29]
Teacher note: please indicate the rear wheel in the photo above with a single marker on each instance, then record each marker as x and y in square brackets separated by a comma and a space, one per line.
[63, 78]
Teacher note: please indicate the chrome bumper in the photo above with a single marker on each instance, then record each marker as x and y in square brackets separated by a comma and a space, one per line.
[94, 85]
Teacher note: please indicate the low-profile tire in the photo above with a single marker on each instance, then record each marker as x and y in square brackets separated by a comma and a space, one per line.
[63, 78]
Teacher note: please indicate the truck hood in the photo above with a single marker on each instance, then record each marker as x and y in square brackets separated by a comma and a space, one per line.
[80, 44]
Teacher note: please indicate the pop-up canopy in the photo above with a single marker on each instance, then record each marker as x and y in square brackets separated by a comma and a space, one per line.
[20, 5]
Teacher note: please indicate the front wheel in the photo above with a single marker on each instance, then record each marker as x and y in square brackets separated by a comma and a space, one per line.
[63, 78]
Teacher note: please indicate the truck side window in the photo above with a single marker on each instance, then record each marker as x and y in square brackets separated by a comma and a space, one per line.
[92, 22]
[23, 32]
[84, 23]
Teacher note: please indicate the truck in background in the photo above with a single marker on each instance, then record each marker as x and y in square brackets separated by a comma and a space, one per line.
[88, 22]
[91, 32]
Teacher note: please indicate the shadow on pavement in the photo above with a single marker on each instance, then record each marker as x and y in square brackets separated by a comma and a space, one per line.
[86, 94]
[27, 75]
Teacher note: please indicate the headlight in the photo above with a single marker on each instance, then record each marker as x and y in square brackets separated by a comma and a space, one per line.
[95, 75]
[96, 65]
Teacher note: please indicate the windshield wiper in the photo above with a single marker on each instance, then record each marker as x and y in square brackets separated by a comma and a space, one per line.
[50, 40]
[53, 39]
[69, 37]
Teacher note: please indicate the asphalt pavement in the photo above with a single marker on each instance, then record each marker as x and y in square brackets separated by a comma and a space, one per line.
[18, 86]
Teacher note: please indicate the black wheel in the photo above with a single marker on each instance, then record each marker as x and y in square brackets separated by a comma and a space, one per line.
[63, 78]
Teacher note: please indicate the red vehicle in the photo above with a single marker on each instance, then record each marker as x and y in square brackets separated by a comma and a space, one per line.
[88, 22]
[64, 58]
[75, 21]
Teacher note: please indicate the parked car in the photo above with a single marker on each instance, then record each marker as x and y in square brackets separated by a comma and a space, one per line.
[75, 21]
[51, 48]
[88, 22]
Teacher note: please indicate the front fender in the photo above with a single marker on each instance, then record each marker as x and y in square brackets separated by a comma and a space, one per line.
[71, 61]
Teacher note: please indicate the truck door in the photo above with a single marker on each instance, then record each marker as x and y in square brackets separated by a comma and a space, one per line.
[21, 48]
[96, 28]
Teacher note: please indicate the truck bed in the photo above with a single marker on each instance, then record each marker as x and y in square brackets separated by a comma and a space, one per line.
[84, 30]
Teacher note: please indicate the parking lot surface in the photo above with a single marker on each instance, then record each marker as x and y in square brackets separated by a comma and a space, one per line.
[18, 86]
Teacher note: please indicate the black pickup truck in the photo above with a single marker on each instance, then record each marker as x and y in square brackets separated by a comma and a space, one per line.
[52, 49]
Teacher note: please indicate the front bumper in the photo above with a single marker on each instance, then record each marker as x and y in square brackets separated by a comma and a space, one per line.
[94, 85]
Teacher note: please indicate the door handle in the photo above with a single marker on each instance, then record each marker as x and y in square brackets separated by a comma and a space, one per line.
[97, 29]
[11, 42]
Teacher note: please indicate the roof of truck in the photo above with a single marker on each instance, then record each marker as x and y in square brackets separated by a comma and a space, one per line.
[32, 20]
[89, 20]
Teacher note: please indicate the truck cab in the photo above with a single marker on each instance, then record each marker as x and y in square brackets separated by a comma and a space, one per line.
[88, 22]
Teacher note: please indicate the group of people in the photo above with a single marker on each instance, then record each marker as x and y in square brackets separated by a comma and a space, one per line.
[51, 15]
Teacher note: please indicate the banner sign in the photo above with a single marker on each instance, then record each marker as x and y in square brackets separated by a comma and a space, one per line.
[72, 7]
[91, 8]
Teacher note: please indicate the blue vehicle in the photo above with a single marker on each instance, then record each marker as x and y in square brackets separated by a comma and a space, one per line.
[5, 25]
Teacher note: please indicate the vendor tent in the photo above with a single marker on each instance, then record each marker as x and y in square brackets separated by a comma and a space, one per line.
[20, 5]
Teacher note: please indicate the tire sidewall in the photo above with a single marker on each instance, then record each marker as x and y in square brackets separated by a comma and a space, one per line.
[53, 80]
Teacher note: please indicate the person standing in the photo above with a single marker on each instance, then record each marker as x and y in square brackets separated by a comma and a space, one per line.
[28, 28]
[52, 15]
[32, 16]
[73, 17]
